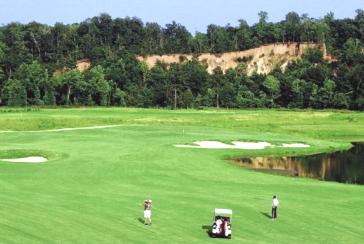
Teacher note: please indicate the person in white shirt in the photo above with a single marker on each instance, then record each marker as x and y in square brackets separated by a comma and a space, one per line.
[148, 212]
[218, 224]
[275, 204]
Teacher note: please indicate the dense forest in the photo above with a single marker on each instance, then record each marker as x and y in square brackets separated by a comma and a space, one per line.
[37, 64]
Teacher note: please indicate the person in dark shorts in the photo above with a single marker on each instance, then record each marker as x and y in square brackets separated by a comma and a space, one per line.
[275, 204]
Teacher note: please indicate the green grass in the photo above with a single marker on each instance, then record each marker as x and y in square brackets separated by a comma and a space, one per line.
[91, 191]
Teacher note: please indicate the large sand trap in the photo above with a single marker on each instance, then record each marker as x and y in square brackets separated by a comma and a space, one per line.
[239, 145]
[33, 160]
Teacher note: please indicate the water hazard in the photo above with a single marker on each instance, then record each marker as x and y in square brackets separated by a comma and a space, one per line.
[345, 167]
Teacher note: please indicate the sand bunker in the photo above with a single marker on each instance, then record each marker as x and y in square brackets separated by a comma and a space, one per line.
[221, 145]
[239, 145]
[295, 145]
[33, 160]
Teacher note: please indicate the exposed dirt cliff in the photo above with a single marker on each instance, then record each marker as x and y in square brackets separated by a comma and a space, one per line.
[261, 59]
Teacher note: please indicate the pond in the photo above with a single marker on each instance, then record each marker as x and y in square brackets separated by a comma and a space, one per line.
[345, 166]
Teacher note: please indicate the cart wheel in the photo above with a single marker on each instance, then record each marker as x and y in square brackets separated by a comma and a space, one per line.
[229, 236]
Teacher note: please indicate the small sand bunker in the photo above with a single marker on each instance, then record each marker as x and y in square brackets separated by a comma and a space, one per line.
[251, 145]
[239, 145]
[295, 145]
[33, 160]
[221, 145]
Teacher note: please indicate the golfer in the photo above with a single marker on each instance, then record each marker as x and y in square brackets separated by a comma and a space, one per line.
[275, 204]
[218, 224]
[147, 212]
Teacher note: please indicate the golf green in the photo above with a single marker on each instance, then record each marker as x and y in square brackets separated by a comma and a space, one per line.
[92, 187]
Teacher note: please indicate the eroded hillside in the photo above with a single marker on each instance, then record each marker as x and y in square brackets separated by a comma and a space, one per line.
[261, 59]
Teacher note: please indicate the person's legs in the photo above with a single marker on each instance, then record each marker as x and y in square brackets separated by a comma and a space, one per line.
[146, 217]
[274, 212]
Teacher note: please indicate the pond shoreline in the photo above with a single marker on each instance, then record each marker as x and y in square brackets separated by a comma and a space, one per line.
[345, 166]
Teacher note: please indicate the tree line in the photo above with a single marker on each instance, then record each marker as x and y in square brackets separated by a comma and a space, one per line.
[37, 64]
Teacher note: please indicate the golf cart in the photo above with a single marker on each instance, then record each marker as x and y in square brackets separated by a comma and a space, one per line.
[222, 223]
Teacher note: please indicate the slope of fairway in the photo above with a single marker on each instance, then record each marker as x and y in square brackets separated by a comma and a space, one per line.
[92, 188]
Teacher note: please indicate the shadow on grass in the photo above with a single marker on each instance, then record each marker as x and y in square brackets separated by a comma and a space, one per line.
[141, 220]
[266, 215]
[207, 228]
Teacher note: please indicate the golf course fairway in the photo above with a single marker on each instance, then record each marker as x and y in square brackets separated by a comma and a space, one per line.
[92, 187]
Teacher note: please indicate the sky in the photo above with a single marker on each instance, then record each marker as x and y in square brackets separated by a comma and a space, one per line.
[196, 15]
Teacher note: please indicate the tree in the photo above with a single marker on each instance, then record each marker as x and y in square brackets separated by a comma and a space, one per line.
[243, 35]
[299, 93]
[176, 38]
[100, 87]
[245, 98]
[359, 19]
[217, 81]
[352, 51]
[49, 98]
[158, 81]
[264, 30]
[153, 36]
[194, 76]
[104, 23]
[307, 28]
[342, 30]
[64, 45]
[16, 52]
[356, 76]
[2, 58]
[34, 77]
[119, 97]
[313, 55]
[292, 26]
[200, 43]
[14, 93]
[70, 82]
[187, 98]
[322, 31]
[227, 95]
[315, 73]
[128, 33]
[325, 95]
[272, 85]
[218, 39]
[144, 69]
